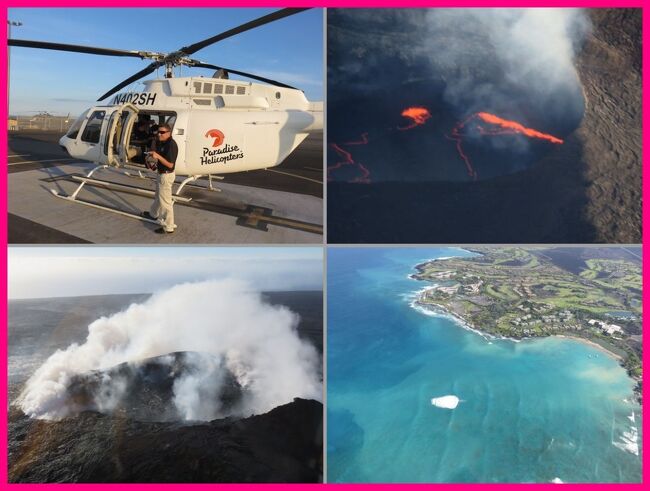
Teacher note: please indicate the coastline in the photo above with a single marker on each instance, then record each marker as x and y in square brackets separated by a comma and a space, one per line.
[441, 311]
[465, 324]
[592, 344]
[435, 309]
[418, 267]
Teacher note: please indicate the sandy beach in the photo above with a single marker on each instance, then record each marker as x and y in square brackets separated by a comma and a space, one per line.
[444, 312]
[593, 344]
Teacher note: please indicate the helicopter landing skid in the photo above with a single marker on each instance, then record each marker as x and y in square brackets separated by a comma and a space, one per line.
[139, 175]
[123, 187]
[100, 207]
[110, 185]
[194, 178]
[210, 187]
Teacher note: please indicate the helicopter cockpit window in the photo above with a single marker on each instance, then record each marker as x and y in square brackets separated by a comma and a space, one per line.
[207, 88]
[171, 121]
[93, 127]
[197, 87]
[76, 126]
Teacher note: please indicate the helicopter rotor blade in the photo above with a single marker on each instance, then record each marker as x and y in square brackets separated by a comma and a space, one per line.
[199, 64]
[24, 43]
[161, 59]
[146, 71]
[277, 15]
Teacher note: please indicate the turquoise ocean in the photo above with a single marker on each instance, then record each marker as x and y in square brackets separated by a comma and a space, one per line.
[533, 411]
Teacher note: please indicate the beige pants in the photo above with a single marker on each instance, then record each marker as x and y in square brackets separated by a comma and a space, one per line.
[162, 208]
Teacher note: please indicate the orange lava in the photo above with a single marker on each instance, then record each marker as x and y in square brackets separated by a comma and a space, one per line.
[500, 127]
[514, 127]
[348, 160]
[418, 116]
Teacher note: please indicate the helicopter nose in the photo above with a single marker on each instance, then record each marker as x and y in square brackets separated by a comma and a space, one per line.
[63, 144]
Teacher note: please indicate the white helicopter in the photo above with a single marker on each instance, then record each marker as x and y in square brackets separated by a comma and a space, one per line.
[220, 125]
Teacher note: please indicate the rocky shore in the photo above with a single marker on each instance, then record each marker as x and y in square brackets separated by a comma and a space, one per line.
[444, 311]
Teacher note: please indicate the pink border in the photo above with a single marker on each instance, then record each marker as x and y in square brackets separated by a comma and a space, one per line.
[646, 220]
[324, 3]
[300, 3]
[3, 237]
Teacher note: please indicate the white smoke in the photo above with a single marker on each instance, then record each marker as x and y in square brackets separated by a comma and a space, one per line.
[532, 49]
[257, 342]
[110, 393]
[195, 393]
[481, 56]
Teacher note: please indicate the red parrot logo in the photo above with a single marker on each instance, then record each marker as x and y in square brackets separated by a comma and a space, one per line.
[217, 135]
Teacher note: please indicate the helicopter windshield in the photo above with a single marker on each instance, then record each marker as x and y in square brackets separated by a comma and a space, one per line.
[76, 126]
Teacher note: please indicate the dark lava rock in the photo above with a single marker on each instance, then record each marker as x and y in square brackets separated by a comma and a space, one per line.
[283, 445]
[586, 191]
[143, 389]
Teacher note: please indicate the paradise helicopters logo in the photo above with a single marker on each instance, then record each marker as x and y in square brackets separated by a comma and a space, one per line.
[218, 154]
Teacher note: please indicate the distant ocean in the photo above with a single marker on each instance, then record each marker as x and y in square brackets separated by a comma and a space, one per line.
[535, 411]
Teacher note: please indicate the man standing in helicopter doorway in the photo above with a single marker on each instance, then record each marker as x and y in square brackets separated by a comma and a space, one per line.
[163, 158]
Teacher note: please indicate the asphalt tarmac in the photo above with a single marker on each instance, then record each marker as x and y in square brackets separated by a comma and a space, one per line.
[279, 205]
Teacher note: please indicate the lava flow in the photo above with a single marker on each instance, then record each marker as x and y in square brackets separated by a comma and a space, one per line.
[500, 126]
[418, 116]
[509, 127]
[364, 178]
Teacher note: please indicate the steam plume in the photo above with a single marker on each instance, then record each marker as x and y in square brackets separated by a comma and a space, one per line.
[257, 343]
[526, 50]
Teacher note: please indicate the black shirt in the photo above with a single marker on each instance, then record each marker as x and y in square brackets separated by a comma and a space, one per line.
[169, 150]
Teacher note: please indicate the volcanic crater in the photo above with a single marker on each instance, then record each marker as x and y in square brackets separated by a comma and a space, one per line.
[585, 189]
[123, 426]
[144, 390]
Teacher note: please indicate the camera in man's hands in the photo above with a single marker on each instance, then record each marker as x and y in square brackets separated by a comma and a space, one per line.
[149, 161]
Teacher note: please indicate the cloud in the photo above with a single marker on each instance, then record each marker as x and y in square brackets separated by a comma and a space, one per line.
[41, 274]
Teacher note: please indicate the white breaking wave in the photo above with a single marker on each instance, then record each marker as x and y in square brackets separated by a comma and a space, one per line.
[432, 312]
[414, 295]
[629, 440]
[557, 480]
[446, 402]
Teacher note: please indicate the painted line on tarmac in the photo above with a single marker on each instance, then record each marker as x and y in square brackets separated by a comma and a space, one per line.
[20, 155]
[294, 175]
[38, 161]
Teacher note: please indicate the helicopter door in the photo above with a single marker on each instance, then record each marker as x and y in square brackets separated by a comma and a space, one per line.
[121, 123]
[107, 142]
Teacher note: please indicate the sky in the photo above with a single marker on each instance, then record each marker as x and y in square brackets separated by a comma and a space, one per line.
[289, 50]
[44, 272]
